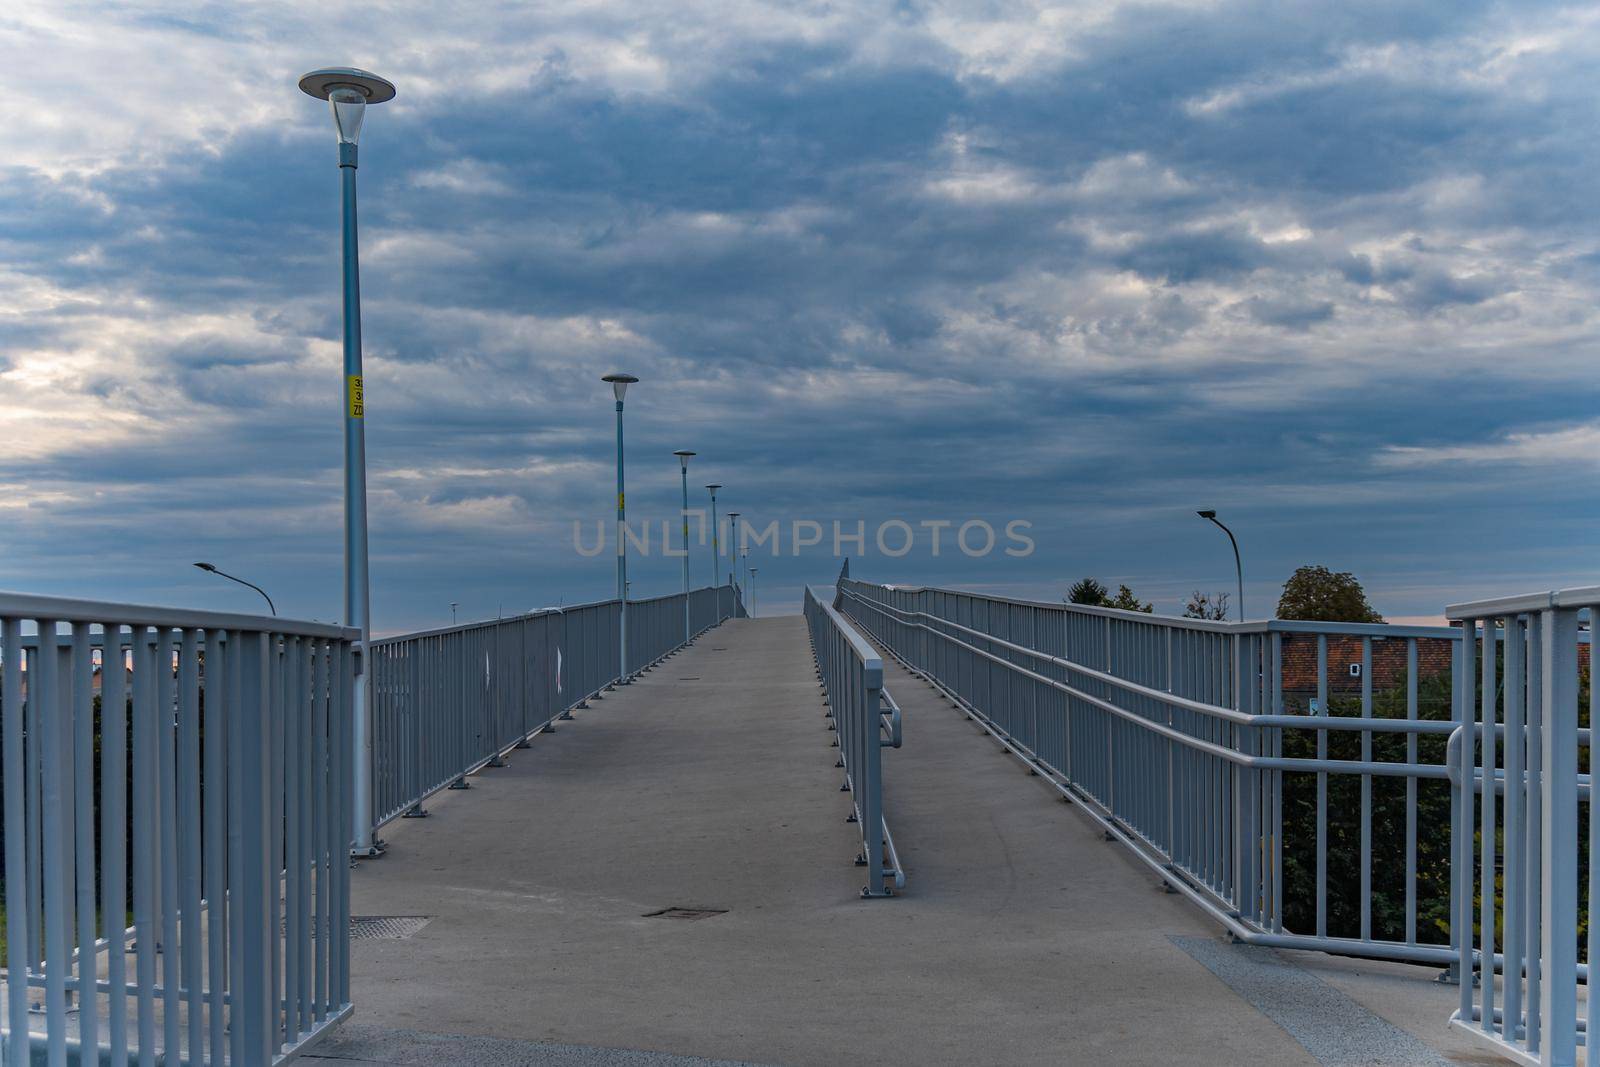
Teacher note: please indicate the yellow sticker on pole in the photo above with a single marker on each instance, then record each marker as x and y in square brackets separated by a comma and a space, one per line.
[621, 505]
[357, 404]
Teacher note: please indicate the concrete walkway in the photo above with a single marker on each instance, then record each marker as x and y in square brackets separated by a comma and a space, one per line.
[1022, 937]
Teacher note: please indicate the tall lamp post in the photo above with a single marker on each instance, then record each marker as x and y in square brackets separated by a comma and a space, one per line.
[683, 455]
[716, 561]
[1238, 568]
[733, 549]
[752, 611]
[349, 91]
[619, 387]
[209, 569]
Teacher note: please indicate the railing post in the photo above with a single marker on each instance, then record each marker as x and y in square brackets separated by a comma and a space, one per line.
[871, 793]
[251, 1017]
[1559, 787]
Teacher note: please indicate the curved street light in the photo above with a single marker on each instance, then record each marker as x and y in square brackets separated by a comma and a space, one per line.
[210, 569]
[348, 92]
[1237, 566]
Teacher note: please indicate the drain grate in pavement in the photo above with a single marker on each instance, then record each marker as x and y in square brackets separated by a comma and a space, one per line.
[386, 927]
[690, 678]
[685, 913]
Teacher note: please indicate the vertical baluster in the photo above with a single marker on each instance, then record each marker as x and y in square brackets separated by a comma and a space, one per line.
[1486, 807]
[1464, 706]
[189, 854]
[167, 847]
[14, 784]
[83, 817]
[1322, 789]
[1411, 793]
[113, 836]
[1559, 946]
[1515, 828]
[215, 815]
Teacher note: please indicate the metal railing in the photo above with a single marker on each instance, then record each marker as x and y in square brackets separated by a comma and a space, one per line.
[448, 702]
[1195, 744]
[851, 675]
[1526, 846]
[190, 769]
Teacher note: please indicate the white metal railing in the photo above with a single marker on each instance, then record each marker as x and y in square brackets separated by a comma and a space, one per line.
[190, 769]
[1526, 855]
[851, 675]
[1283, 803]
[448, 702]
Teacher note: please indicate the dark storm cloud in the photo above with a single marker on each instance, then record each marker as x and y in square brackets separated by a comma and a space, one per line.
[867, 263]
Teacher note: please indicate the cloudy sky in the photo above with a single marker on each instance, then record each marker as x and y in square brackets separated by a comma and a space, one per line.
[1331, 269]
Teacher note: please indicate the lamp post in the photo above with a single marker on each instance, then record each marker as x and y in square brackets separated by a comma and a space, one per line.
[716, 564]
[619, 387]
[733, 549]
[234, 578]
[349, 91]
[453, 612]
[1238, 567]
[683, 455]
[752, 612]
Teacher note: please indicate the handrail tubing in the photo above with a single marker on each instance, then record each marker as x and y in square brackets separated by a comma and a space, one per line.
[502, 753]
[1174, 876]
[1242, 759]
[1378, 629]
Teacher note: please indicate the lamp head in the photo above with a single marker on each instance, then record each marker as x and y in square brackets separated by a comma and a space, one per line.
[349, 91]
[619, 383]
[206, 567]
[713, 489]
[683, 455]
[1212, 515]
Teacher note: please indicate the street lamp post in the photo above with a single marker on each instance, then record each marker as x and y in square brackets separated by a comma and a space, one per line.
[453, 605]
[752, 611]
[1238, 567]
[349, 91]
[234, 578]
[716, 561]
[619, 386]
[733, 549]
[683, 455]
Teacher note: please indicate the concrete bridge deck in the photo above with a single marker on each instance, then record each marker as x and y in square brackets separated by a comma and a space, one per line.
[1021, 938]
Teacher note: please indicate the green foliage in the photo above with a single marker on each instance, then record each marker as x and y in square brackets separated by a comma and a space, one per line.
[1388, 837]
[1316, 594]
[1087, 591]
[1128, 602]
[1093, 593]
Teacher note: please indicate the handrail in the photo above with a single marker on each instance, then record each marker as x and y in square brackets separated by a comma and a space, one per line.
[1175, 738]
[850, 672]
[66, 609]
[224, 771]
[450, 702]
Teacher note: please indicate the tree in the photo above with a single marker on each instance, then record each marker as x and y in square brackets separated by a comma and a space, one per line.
[1087, 591]
[1316, 594]
[1127, 601]
[1094, 594]
[1206, 606]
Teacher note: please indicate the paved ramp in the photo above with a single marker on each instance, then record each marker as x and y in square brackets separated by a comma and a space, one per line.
[1021, 938]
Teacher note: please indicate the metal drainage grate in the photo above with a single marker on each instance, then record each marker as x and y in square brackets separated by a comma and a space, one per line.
[685, 913]
[690, 678]
[386, 927]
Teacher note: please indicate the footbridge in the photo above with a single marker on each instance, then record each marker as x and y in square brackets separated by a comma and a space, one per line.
[908, 826]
